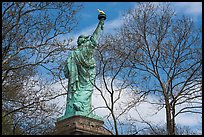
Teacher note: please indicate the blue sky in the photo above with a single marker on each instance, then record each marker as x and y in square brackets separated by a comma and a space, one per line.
[88, 15]
[114, 10]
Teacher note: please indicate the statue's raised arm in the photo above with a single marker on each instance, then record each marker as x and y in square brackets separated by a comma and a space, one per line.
[99, 28]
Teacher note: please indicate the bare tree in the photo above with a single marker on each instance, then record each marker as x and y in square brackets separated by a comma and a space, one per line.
[32, 48]
[169, 56]
[115, 83]
[165, 50]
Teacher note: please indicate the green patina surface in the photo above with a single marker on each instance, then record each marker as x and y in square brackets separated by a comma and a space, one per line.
[80, 71]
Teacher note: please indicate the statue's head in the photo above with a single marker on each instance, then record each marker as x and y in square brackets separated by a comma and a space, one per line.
[82, 39]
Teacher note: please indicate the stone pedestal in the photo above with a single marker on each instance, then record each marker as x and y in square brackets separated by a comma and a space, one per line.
[80, 125]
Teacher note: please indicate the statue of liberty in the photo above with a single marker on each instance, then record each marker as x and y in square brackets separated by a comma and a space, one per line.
[80, 71]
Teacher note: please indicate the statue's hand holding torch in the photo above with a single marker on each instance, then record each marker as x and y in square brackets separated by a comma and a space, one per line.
[101, 17]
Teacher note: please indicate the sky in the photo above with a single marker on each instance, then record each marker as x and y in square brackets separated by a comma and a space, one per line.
[88, 15]
[114, 10]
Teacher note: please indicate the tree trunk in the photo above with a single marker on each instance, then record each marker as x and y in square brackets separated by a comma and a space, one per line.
[170, 119]
[115, 123]
[173, 120]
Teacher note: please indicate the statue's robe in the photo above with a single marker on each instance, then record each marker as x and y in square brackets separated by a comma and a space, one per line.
[80, 71]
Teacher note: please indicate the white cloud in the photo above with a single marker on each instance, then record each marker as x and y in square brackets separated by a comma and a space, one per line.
[188, 119]
[145, 109]
[193, 8]
[98, 101]
[60, 88]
